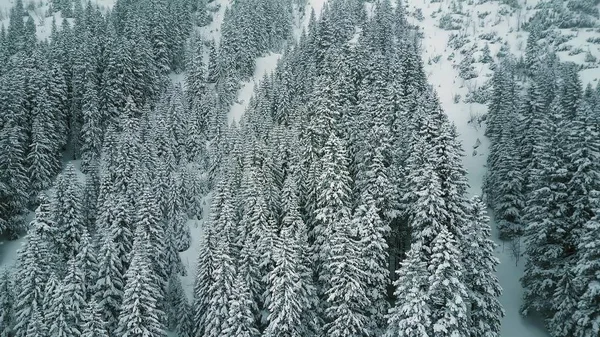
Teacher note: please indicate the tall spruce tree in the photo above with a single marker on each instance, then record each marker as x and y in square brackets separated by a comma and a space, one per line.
[140, 314]
[485, 310]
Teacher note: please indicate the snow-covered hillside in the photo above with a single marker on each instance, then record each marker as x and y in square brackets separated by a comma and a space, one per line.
[452, 30]
[493, 24]
[446, 80]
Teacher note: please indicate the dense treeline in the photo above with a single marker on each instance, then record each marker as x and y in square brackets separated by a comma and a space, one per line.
[543, 184]
[342, 165]
[338, 204]
[67, 92]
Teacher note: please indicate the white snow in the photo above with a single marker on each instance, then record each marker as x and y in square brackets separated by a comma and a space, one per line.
[264, 65]
[317, 6]
[8, 252]
[212, 31]
[190, 256]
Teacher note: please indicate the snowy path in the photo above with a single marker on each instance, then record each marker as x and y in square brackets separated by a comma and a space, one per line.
[446, 81]
[263, 65]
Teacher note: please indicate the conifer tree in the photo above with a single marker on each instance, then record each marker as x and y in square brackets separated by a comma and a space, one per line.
[140, 315]
[148, 219]
[30, 288]
[177, 305]
[587, 314]
[480, 267]
[91, 130]
[182, 233]
[447, 292]
[565, 300]
[61, 320]
[333, 200]
[93, 323]
[411, 316]
[240, 319]
[120, 218]
[345, 291]
[207, 261]
[37, 327]
[73, 296]
[87, 262]
[173, 263]
[108, 290]
[6, 304]
[549, 234]
[50, 290]
[374, 258]
[67, 212]
[220, 291]
[42, 157]
[426, 212]
[289, 293]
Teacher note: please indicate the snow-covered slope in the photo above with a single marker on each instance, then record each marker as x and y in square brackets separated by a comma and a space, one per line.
[445, 78]
[264, 65]
[494, 24]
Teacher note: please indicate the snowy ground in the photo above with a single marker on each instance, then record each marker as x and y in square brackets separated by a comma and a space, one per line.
[212, 31]
[190, 256]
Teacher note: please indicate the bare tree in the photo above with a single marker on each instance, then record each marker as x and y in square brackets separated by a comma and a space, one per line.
[515, 249]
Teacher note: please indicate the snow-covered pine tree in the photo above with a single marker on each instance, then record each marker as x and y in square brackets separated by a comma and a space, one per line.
[47, 232]
[176, 304]
[86, 260]
[206, 261]
[587, 314]
[90, 197]
[333, 198]
[248, 265]
[91, 130]
[345, 291]
[447, 293]
[67, 212]
[42, 157]
[173, 263]
[220, 291]
[149, 221]
[6, 303]
[504, 184]
[240, 318]
[32, 276]
[485, 310]
[426, 211]
[59, 317]
[140, 315]
[50, 290]
[311, 317]
[449, 168]
[374, 258]
[411, 315]
[565, 300]
[108, 290]
[94, 324]
[583, 162]
[260, 227]
[486, 57]
[37, 327]
[549, 235]
[73, 293]
[185, 328]
[287, 295]
[120, 223]
[182, 233]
